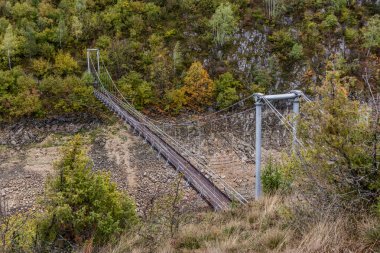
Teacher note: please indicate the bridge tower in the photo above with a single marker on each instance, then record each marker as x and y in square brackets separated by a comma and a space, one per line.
[89, 51]
[260, 99]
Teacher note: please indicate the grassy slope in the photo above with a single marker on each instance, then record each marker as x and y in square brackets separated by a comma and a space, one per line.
[269, 225]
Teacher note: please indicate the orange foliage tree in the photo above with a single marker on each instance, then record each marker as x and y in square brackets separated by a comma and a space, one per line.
[198, 88]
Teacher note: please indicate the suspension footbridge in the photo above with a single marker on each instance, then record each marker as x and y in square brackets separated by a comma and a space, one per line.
[180, 155]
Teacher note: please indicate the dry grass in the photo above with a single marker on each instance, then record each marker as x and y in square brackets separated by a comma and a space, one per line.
[264, 226]
[324, 236]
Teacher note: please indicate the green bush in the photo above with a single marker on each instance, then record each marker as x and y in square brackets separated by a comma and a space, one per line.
[371, 33]
[67, 95]
[18, 95]
[134, 87]
[338, 162]
[226, 88]
[272, 178]
[82, 205]
[190, 242]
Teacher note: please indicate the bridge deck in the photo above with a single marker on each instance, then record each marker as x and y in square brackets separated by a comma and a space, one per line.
[208, 190]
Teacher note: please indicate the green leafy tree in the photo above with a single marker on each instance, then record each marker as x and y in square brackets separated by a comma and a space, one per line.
[65, 64]
[9, 43]
[139, 91]
[274, 7]
[41, 67]
[67, 95]
[339, 159]
[227, 90]
[22, 10]
[61, 31]
[371, 33]
[330, 22]
[286, 48]
[262, 79]
[80, 5]
[28, 41]
[176, 99]
[144, 94]
[82, 205]
[223, 23]
[177, 57]
[3, 25]
[18, 95]
[76, 27]
[297, 52]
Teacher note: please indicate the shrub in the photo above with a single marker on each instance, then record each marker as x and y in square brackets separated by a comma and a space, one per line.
[226, 88]
[40, 67]
[297, 52]
[18, 95]
[175, 100]
[65, 64]
[82, 205]
[286, 47]
[330, 22]
[263, 79]
[135, 88]
[189, 242]
[338, 161]
[371, 33]
[272, 178]
[67, 95]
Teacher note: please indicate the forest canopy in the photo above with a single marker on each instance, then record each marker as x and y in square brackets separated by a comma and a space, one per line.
[152, 46]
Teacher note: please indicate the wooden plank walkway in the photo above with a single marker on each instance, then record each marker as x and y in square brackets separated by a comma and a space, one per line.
[208, 190]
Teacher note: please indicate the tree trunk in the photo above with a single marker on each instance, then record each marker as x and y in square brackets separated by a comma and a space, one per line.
[9, 59]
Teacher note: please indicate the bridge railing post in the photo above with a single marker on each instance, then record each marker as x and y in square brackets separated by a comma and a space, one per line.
[258, 104]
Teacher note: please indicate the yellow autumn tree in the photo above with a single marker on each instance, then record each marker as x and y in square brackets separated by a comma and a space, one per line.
[198, 88]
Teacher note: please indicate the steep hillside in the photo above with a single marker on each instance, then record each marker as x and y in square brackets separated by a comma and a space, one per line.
[72, 179]
[149, 47]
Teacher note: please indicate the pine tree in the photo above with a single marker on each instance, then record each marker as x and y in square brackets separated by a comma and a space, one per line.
[82, 205]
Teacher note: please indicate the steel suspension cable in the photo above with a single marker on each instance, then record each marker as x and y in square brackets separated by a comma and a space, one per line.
[142, 117]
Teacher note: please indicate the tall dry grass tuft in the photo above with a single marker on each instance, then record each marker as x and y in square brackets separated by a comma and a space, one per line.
[268, 225]
[342, 234]
[324, 236]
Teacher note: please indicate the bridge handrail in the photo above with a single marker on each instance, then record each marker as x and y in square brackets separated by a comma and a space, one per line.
[194, 181]
[236, 195]
[126, 105]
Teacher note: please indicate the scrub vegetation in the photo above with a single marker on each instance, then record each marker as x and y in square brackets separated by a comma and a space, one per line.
[173, 58]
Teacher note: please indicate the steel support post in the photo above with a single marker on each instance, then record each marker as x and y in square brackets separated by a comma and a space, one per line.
[88, 61]
[258, 105]
[296, 112]
[98, 59]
